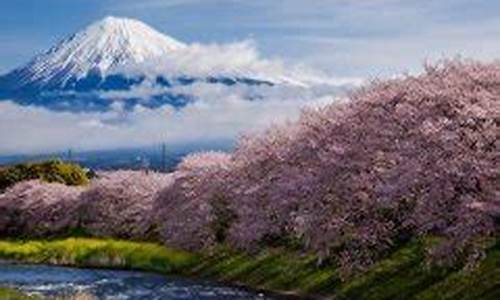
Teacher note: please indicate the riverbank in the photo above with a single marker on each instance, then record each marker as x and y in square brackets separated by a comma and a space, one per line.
[401, 276]
[10, 294]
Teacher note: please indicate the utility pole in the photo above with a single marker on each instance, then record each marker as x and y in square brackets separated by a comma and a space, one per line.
[163, 157]
[70, 155]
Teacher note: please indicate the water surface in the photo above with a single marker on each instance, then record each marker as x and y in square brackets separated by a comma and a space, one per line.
[107, 284]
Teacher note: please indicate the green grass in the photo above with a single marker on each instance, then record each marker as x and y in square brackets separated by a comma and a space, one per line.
[87, 252]
[400, 276]
[10, 294]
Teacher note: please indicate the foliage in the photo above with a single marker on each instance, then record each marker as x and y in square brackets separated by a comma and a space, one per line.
[49, 171]
[201, 160]
[402, 158]
[38, 209]
[119, 203]
[223, 218]
[191, 213]
[187, 211]
[115, 204]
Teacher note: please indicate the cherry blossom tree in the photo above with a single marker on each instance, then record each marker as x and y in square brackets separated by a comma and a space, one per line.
[38, 209]
[202, 160]
[119, 203]
[402, 158]
[398, 160]
[192, 213]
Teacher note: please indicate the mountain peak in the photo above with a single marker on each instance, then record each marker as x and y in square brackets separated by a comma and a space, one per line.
[101, 47]
[120, 25]
[114, 19]
[113, 23]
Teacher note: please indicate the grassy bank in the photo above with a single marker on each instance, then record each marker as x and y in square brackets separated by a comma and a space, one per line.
[10, 294]
[401, 276]
[86, 252]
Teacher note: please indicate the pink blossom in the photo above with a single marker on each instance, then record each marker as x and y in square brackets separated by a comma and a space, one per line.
[202, 160]
[38, 209]
[403, 158]
[185, 211]
[119, 203]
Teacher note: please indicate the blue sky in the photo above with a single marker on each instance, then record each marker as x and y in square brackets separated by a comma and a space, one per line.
[363, 38]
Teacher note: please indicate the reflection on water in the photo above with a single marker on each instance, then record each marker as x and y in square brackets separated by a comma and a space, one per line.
[105, 284]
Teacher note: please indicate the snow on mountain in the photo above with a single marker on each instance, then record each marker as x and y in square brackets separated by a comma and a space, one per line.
[101, 47]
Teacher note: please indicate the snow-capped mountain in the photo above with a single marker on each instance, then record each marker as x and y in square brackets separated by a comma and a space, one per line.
[99, 49]
[121, 59]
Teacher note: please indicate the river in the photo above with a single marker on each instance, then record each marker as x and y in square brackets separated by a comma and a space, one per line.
[114, 285]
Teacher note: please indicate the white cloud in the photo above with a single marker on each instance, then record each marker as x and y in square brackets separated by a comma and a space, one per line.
[202, 60]
[239, 59]
[28, 129]
[220, 112]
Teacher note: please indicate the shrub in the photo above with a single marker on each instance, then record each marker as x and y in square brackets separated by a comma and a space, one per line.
[119, 203]
[49, 171]
[38, 209]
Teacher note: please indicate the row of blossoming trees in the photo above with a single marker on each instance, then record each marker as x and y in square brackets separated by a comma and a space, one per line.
[401, 159]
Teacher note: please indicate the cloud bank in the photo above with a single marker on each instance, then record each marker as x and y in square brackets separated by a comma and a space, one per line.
[220, 112]
[238, 59]
[28, 129]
